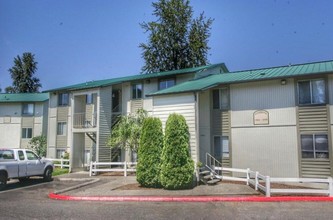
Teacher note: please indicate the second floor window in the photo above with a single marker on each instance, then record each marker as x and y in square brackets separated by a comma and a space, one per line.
[221, 98]
[166, 83]
[63, 99]
[89, 99]
[28, 109]
[137, 91]
[311, 92]
[62, 128]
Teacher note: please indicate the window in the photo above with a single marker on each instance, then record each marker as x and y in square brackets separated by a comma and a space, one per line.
[221, 147]
[31, 155]
[166, 83]
[21, 155]
[311, 92]
[6, 155]
[314, 146]
[28, 109]
[137, 91]
[221, 98]
[26, 132]
[62, 128]
[60, 153]
[89, 99]
[63, 99]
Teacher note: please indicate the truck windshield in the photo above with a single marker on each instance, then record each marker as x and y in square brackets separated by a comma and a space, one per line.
[6, 154]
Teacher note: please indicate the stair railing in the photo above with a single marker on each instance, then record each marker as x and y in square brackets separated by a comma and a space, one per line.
[214, 165]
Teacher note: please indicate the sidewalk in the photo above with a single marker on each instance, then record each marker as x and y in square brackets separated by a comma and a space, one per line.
[113, 188]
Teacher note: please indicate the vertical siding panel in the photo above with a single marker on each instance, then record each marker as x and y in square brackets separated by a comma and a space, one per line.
[104, 124]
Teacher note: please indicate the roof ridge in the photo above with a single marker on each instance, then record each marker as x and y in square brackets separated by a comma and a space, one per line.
[285, 66]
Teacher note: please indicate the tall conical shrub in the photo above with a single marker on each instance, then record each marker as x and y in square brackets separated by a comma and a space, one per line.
[149, 153]
[177, 167]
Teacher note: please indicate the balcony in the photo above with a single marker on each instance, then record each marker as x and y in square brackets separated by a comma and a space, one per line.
[84, 120]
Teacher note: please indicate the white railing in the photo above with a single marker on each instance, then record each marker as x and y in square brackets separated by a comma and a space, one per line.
[263, 183]
[62, 162]
[112, 167]
[82, 121]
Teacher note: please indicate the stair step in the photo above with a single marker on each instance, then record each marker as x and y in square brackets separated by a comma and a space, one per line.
[206, 172]
[207, 177]
[213, 181]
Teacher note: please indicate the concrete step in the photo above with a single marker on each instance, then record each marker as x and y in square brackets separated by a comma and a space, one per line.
[213, 181]
[208, 177]
[204, 173]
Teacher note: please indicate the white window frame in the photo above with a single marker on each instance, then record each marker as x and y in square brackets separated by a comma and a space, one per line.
[311, 92]
[25, 133]
[221, 105]
[135, 95]
[24, 112]
[62, 101]
[315, 151]
[62, 128]
[166, 81]
[225, 154]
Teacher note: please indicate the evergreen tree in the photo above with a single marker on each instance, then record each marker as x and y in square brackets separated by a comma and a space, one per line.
[177, 166]
[176, 40]
[149, 153]
[22, 74]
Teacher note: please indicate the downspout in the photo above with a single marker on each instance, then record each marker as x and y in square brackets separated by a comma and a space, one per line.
[197, 136]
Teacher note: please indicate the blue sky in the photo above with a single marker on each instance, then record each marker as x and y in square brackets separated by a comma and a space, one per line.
[79, 40]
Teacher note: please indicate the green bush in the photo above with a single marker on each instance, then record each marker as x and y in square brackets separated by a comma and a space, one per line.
[177, 167]
[149, 153]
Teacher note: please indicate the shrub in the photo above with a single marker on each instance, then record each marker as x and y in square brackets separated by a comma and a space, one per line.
[39, 145]
[177, 167]
[149, 153]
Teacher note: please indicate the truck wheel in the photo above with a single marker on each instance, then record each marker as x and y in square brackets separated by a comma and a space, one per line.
[48, 174]
[3, 181]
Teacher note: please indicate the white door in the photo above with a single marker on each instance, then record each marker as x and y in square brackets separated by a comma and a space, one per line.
[22, 162]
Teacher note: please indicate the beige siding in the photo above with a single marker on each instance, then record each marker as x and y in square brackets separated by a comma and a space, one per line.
[184, 78]
[204, 125]
[27, 122]
[262, 95]
[136, 104]
[269, 150]
[313, 119]
[104, 152]
[62, 114]
[166, 105]
[61, 141]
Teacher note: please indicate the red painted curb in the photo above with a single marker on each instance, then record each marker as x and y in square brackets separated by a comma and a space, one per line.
[190, 198]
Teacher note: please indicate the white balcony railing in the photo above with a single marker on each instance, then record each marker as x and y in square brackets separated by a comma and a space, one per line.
[82, 120]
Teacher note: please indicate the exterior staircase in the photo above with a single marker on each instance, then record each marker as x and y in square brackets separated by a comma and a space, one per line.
[207, 177]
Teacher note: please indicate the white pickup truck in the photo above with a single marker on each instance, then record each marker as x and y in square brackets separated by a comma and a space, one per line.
[21, 164]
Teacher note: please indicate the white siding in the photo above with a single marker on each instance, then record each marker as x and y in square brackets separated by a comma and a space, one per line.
[262, 95]
[183, 104]
[271, 151]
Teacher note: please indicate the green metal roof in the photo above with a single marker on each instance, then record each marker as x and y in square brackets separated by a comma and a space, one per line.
[107, 82]
[250, 75]
[23, 97]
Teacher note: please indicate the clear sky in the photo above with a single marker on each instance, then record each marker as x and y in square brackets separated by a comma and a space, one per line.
[82, 40]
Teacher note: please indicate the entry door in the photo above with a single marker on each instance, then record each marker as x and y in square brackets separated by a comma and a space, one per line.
[34, 165]
[221, 148]
[116, 100]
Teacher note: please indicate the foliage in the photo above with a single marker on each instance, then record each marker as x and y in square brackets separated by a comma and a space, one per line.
[38, 144]
[126, 133]
[175, 40]
[177, 167]
[59, 171]
[22, 74]
[149, 153]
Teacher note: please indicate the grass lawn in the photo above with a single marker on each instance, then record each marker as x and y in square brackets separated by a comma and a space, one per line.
[59, 171]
